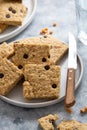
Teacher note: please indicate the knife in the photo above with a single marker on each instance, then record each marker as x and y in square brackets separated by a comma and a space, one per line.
[72, 66]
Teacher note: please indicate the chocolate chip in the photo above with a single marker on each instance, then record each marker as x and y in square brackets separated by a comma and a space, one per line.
[7, 15]
[43, 59]
[51, 121]
[13, 11]
[1, 75]
[10, 9]
[21, 11]
[54, 85]
[20, 66]
[45, 36]
[25, 56]
[58, 128]
[48, 56]
[47, 67]
[33, 55]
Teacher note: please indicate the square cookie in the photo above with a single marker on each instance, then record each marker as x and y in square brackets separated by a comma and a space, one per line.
[9, 76]
[47, 122]
[30, 53]
[41, 81]
[12, 13]
[6, 50]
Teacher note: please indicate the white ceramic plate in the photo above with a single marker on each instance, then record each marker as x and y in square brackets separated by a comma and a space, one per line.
[16, 98]
[13, 31]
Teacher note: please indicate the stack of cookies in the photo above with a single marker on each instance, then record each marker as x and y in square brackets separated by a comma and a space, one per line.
[34, 58]
[12, 12]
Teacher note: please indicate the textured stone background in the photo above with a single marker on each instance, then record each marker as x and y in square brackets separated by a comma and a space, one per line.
[48, 11]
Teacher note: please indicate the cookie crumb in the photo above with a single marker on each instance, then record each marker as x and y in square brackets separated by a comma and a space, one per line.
[69, 110]
[50, 32]
[54, 24]
[44, 31]
[83, 110]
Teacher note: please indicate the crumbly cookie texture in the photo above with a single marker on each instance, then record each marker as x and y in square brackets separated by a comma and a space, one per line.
[12, 14]
[30, 53]
[6, 50]
[9, 76]
[3, 27]
[83, 110]
[57, 48]
[47, 122]
[71, 125]
[41, 81]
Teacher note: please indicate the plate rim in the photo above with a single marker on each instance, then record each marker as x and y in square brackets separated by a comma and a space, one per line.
[46, 103]
[21, 28]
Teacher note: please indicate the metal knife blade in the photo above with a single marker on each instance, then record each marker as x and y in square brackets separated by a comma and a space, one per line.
[72, 56]
[72, 65]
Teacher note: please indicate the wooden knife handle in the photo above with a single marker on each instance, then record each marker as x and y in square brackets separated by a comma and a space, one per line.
[70, 87]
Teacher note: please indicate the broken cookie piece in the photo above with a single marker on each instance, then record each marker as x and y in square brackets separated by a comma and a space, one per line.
[83, 110]
[9, 76]
[71, 125]
[6, 50]
[47, 122]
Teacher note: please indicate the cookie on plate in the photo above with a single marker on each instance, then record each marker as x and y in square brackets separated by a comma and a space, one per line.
[41, 81]
[9, 76]
[47, 122]
[12, 13]
[6, 50]
[30, 54]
